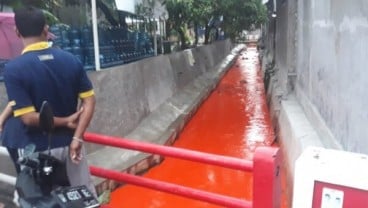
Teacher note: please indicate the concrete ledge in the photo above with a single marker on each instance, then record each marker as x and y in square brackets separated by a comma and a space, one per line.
[298, 127]
[297, 133]
[162, 126]
[294, 130]
[326, 136]
[294, 133]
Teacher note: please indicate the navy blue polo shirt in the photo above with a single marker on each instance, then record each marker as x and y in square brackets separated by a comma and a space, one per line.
[14, 134]
[43, 73]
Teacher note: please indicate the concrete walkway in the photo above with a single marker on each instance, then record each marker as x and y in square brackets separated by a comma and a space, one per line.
[6, 196]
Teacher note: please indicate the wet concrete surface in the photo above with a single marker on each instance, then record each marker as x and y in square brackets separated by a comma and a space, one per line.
[233, 121]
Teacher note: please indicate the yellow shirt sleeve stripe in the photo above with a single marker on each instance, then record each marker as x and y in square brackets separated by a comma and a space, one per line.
[86, 94]
[23, 111]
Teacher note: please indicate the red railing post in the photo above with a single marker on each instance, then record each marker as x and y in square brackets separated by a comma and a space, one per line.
[267, 178]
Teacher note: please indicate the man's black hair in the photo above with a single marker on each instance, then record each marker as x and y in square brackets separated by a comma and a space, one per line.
[30, 21]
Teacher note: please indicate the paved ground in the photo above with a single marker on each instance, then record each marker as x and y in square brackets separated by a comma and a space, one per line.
[6, 196]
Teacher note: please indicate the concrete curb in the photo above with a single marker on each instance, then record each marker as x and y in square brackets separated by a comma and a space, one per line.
[160, 127]
[293, 129]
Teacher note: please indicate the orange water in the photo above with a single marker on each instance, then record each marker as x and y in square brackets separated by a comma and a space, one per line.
[233, 121]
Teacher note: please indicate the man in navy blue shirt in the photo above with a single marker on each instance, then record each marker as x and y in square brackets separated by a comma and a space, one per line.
[44, 73]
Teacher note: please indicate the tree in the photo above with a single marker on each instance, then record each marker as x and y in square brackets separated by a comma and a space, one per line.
[106, 6]
[239, 15]
[147, 9]
[201, 12]
[233, 16]
[108, 11]
[179, 16]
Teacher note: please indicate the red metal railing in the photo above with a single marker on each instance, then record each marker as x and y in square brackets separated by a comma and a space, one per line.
[265, 167]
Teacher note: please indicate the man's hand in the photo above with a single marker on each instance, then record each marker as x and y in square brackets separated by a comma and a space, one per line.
[88, 105]
[72, 120]
[75, 151]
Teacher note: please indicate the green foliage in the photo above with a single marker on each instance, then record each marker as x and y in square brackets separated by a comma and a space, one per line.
[50, 18]
[237, 15]
[179, 12]
[146, 8]
[179, 15]
[11, 3]
[201, 11]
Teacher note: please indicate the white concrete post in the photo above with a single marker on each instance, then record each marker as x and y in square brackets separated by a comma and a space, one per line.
[95, 36]
[330, 178]
[155, 37]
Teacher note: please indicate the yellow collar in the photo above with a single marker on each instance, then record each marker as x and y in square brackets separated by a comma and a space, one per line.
[36, 47]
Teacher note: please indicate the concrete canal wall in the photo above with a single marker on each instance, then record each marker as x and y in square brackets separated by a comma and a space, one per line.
[315, 62]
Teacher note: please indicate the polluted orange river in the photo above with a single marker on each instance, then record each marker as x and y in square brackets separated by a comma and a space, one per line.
[233, 121]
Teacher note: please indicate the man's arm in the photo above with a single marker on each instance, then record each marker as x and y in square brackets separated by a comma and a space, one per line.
[33, 119]
[5, 114]
[88, 105]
